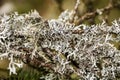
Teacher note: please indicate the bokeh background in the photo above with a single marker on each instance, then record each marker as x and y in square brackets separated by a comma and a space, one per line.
[50, 9]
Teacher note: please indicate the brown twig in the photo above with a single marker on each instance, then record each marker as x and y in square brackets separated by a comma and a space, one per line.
[93, 14]
[75, 11]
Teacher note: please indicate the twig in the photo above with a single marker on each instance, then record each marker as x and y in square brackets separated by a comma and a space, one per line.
[75, 11]
[93, 14]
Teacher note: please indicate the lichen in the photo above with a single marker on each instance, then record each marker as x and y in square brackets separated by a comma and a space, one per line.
[84, 50]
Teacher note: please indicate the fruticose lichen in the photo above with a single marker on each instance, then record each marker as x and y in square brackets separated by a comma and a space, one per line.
[87, 51]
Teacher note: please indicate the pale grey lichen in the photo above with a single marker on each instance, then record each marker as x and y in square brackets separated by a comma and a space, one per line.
[84, 50]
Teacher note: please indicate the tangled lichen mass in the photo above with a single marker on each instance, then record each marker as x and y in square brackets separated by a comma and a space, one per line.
[59, 46]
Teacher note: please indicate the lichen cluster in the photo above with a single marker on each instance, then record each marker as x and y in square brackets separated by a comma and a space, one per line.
[61, 47]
